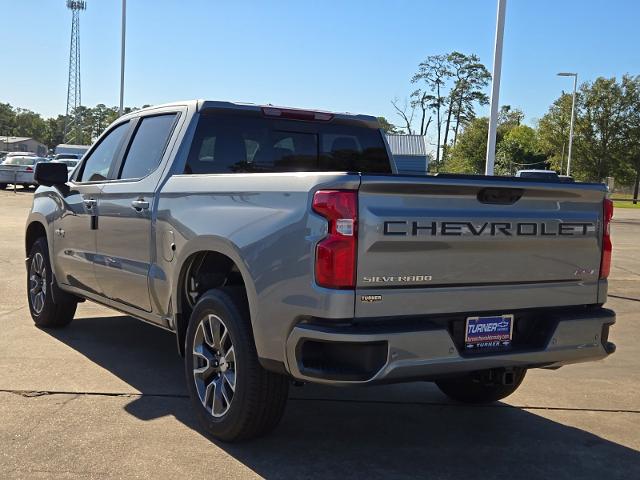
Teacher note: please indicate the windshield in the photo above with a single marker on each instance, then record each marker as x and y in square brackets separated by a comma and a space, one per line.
[228, 143]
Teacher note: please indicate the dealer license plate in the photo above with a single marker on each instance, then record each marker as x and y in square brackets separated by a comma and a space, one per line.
[488, 333]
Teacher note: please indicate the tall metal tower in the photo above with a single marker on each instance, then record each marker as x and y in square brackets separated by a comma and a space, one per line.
[73, 123]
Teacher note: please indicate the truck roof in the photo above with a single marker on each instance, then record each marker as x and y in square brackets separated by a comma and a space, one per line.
[204, 105]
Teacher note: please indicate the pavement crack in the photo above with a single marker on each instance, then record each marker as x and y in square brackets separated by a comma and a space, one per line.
[40, 393]
[622, 297]
[458, 405]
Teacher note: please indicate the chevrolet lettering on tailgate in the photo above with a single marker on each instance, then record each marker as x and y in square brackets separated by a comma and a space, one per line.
[416, 228]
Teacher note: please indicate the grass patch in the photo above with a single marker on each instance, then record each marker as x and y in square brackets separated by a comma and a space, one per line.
[619, 204]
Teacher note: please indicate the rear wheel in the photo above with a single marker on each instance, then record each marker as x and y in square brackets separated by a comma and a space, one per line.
[482, 387]
[3, 186]
[48, 307]
[233, 396]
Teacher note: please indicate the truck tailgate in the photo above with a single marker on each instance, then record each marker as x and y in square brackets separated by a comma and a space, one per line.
[438, 245]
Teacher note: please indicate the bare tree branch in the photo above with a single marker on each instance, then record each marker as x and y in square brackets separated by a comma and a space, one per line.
[406, 112]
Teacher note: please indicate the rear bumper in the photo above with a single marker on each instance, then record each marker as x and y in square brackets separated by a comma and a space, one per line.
[370, 353]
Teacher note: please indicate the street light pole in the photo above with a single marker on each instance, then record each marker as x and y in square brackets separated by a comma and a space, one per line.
[124, 25]
[573, 114]
[495, 89]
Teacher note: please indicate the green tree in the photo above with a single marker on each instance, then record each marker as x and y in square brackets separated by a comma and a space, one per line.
[7, 119]
[519, 149]
[54, 133]
[448, 87]
[388, 127]
[553, 132]
[469, 153]
[600, 126]
[628, 169]
[509, 117]
[433, 74]
[470, 78]
[99, 118]
[29, 124]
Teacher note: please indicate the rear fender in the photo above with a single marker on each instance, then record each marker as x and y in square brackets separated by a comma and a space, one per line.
[212, 243]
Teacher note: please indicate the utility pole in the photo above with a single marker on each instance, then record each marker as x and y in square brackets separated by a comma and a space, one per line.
[495, 88]
[124, 28]
[573, 113]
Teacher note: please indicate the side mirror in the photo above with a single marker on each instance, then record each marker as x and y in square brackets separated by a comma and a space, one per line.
[51, 174]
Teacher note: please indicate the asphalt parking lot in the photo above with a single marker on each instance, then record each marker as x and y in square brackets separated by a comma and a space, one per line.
[105, 398]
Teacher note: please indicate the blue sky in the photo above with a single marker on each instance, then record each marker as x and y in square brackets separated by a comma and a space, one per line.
[336, 55]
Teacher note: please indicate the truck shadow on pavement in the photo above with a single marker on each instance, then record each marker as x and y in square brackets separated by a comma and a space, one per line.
[351, 433]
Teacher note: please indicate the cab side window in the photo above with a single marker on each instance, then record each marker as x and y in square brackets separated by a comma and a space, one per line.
[148, 146]
[96, 167]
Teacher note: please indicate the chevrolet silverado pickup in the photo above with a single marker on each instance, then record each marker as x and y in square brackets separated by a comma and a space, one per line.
[281, 245]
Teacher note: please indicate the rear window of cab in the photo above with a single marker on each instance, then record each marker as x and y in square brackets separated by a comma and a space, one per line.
[238, 143]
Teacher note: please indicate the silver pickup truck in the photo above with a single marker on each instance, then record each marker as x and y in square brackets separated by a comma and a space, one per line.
[279, 244]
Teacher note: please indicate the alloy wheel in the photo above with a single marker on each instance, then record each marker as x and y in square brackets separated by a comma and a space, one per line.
[37, 282]
[214, 365]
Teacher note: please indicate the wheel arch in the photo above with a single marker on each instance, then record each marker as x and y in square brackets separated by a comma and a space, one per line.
[222, 258]
[35, 229]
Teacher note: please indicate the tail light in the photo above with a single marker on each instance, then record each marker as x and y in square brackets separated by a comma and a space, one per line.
[607, 215]
[336, 253]
[29, 169]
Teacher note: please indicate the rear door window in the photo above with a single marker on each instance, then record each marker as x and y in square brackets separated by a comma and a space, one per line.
[148, 146]
[228, 143]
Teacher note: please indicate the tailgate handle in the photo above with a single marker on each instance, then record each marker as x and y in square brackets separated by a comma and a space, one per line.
[500, 196]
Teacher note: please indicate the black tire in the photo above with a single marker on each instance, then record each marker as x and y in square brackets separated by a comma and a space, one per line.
[3, 186]
[481, 387]
[258, 398]
[55, 308]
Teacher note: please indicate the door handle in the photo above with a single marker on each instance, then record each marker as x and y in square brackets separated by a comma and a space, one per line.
[139, 205]
[90, 203]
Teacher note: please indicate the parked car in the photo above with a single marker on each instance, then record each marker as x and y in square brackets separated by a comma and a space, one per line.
[69, 162]
[18, 170]
[278, 245]
[67, 156]
[539, 174]
[20, 154]
[65, 149]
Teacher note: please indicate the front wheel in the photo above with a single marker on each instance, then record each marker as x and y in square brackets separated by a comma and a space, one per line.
[233, 396]
[482, 387]
[47, 309]
[3, 186]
